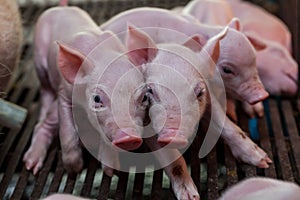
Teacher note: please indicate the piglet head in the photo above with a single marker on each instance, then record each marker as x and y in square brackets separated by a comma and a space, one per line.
[237, 65]
[113, 93]
[277, 69]
[176, 88]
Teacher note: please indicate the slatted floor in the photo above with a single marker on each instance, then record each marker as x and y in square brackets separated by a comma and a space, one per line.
[279, 137]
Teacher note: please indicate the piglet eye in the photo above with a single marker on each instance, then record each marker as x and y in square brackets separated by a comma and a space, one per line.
[227, 70]
[97, 99]
[200, 93]
[96, 102]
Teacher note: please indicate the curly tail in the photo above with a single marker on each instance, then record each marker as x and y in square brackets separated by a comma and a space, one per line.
[63, 3]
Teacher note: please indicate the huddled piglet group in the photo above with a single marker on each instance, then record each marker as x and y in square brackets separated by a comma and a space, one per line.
[177, 67]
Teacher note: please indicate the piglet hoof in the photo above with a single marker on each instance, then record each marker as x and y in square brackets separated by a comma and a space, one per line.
[172, 139]
[34, 157]
[256, 110]
[127, 141]
[185, 190]
[72, 160]
[264, 162]
[248, 152]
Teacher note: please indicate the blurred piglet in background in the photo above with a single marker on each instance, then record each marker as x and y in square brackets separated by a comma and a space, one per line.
[11, 35]
[276, 67]
[10, 42]
[83, 58]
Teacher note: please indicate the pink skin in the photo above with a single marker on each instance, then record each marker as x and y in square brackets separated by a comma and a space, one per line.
[262, 188]
[172, 129]
[237, 59]
[239, 84]
[154, 58]
[63, 3]
[254, 155]
[63, 197]
[271, 28]
[182, 183]
[210, 12]
[10, 43]
[276, 67]
[78, 41]
[242, 147]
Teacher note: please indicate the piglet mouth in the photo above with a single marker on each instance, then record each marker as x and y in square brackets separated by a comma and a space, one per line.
[254, 94]
[127, 140]
[172, 138]
[292, 85]
[259, 97]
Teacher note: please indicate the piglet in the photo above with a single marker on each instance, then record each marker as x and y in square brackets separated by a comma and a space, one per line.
[276, 67]
[262, 188]
[80, 66]
[237, 71]
[178, 97]
[63, 197]
[10, 42]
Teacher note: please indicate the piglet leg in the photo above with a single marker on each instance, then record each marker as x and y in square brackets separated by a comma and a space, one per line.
[69, 140]
[230, 111]
[182, 183]
[254, 110]
[242, 147]
[44, 133]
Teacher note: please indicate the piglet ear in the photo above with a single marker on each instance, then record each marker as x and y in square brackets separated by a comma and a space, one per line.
[212, 46]
[256, 42]
[195, 42]
[69, 63]
[212, 49]
[141, 47]
[235, 24]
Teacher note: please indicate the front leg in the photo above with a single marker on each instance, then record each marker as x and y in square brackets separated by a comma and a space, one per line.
[182, 183]
[44, 133]
[254, 110]
[230, 110]
[242, 147]
[69, 140]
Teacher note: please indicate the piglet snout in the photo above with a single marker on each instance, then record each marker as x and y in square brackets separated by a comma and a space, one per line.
[173, 138]
[127, 140]
[260, 96]
[255, 92]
